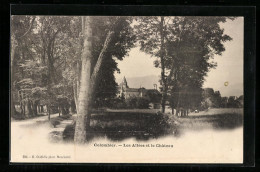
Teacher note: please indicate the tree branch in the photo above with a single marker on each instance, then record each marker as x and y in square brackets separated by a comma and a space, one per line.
[28, 29]
[104, 49]
[101, 56]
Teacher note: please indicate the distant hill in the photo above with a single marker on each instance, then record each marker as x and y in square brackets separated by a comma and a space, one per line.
[143, 81]
[233, 89]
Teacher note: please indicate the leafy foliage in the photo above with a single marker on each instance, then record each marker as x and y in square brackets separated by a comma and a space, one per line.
[121, 44]
[184, 47]
[47, 59]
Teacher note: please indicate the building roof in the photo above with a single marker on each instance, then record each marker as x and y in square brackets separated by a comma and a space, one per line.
[153, 91]
[132, 89]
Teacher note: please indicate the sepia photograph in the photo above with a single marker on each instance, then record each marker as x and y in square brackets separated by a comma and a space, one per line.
[126, 89]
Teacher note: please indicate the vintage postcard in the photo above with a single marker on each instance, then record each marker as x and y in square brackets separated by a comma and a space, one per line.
[126, 89]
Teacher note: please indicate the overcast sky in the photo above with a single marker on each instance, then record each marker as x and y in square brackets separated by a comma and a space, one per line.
[229, 69]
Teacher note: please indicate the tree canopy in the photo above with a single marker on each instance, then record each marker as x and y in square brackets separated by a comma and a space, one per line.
[67, 63]
[185, 48]
[47, 57]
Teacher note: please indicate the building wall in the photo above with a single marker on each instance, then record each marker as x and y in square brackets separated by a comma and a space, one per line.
[131, 94]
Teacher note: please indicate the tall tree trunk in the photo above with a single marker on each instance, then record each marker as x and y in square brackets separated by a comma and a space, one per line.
[49, 112]
[30, 111]
[41, 109]
[83, 115]
[27, 108]
[65, 109]
[88, 81]
[75, 94]
[172, 111]
[35, 107]
[13, 47]
[59, 109]
[51, 69]
[72, 107]
[78, 81]
[22, 109]
[13, 50]
[162, 56]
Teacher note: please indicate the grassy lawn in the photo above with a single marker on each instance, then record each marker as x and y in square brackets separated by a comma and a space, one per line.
[118, 125]
[153, 111]
[217, 119]
[144, 124]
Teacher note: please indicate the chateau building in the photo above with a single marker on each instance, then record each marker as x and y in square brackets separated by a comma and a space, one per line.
[153, 95]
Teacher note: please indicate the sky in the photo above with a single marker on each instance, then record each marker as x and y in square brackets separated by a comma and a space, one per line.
[227, 77]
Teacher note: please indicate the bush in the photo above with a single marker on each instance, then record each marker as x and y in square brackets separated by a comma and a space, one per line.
[118, 103]
[142, 103]
[130, 103]
[137, 103]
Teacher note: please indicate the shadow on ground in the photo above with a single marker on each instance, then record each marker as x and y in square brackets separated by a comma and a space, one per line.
[217, 121]
[19, 117]
[54, 121]
[117, 126]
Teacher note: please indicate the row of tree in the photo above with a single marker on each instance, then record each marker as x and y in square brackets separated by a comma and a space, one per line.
[46, 61]
[66, 60]
[211, 99]
[184, 48]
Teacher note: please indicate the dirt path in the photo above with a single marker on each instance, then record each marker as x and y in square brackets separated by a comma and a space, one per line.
[32, 121]
[56, 133]
[53, 129]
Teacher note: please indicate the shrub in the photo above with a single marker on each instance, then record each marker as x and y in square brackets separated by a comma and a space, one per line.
[118, 103]
[131, 102]
[137, 103]
[142, 103]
